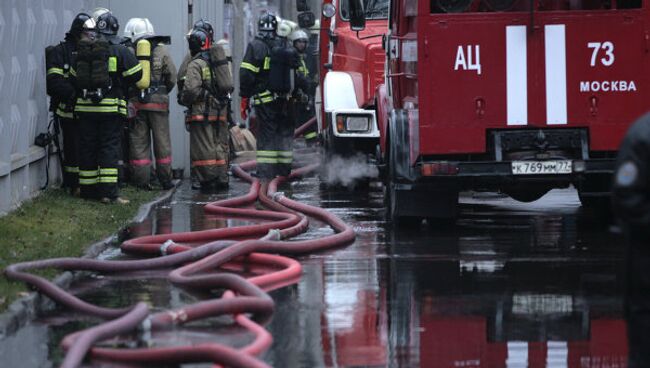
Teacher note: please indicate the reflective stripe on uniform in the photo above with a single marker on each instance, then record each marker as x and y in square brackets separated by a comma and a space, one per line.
[200, 118]
[263, 160]
[267, 63]
[303, 68]
[285, 157]
[310, 135]
[73, 72]
[72, 169]
[102, 109]
[267, 157]
[112, 64]
[88, 181]
[263, 97]
[63, 114]
[208, 163]
[133, 70]
[107, 175]
[250, 67]
[206, 74]
[107, 179]
[55, 71]
[88, 173]
[88, 177]
[105, 101]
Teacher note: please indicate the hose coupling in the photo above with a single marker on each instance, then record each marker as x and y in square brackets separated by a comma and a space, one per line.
[145, 332]
[277, 196]
[165, 246]
[274, 234]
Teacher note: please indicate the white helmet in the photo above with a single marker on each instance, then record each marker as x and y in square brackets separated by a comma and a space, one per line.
[298, 34]
[138, 28]
[285, 27]
[97, 12]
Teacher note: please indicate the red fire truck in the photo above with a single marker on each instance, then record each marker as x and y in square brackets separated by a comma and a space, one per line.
[517, 96]
[352, 66]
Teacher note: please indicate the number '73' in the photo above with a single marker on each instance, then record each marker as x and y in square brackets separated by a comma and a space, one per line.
[607, 49]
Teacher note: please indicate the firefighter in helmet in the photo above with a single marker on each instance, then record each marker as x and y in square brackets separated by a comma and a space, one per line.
[59, 61]
[304, 94]
[150, 102]
[207, 117]
[182, 70]
[180, 82]
[631, 202]
[103, 71]
[259, 88]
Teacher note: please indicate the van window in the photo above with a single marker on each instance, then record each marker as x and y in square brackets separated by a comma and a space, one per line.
[473, 6]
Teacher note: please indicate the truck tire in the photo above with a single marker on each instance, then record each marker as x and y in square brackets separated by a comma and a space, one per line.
[408, 203]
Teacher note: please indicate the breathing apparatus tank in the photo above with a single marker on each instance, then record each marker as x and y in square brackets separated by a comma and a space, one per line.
[143, 53]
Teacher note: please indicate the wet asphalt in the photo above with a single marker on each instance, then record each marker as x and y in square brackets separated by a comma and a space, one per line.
[510, 285]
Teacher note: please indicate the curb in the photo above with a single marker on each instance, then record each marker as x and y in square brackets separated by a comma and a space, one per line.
[25, 309]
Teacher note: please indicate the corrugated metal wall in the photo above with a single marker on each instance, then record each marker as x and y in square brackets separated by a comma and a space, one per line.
[28, 26]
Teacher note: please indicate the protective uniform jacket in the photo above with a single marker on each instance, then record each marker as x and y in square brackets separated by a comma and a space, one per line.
[60, 86]
[631, 189]
[195, 90]
[124, 71]
[163, 80]
[254, 71]
[182, 74]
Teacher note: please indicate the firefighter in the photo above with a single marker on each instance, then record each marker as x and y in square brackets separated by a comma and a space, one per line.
[205, 26]
[275, 130]
[182, 71]
[60, 87]
[631, 202]
[304, 95]
[151, 106]
[103, 71]
[207, 117]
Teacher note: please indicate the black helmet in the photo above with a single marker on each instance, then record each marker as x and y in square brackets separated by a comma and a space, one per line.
[198, 40]
[267, 23]
[77, 24]
[107, 24]
[206, 26]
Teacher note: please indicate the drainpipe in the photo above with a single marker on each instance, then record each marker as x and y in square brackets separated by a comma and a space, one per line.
[190, 13]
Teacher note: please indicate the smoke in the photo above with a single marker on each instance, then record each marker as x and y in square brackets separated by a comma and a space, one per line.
[347, 171]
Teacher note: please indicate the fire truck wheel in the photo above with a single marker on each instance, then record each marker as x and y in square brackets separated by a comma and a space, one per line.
[393, 215]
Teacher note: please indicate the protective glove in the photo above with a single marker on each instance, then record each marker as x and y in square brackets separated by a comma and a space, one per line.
[243, 108]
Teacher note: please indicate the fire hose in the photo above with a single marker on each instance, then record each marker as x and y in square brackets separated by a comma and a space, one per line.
[195, 256]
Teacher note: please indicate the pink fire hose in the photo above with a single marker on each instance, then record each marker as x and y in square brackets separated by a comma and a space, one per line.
[195, 257]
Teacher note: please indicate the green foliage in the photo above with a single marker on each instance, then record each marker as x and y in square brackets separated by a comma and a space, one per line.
[53, 225]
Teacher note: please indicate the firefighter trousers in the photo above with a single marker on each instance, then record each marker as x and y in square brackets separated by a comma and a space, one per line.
[274, 139]
[209, 151]
[304, 113]
[148, 125]
[70, 129]
[99, 153]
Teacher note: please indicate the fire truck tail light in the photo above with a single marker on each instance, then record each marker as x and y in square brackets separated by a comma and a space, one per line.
[439, 168]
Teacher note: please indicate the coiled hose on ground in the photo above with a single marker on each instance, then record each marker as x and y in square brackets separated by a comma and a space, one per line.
[195, 256]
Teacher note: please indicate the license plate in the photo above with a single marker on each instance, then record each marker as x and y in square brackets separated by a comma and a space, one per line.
[541, 167]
